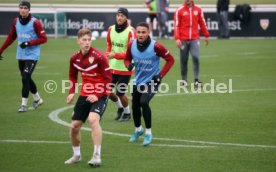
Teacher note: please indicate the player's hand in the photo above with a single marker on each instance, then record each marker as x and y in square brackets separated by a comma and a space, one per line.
[24, 45]
[70, 98]
[130, 67]
[157, 79]
[206, 41]
[1, 57]
[179, 44]
[92, 98]
[111, 55]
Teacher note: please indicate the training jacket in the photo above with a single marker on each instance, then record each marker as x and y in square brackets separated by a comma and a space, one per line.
[186, 22]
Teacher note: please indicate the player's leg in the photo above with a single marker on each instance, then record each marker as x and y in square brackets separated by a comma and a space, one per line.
[122, 87]
[96, 135]
[151, 17]
[96, 112]
[162, 20]
[137, 114]
[184, 54]
[113, 97]
[225, 26]
[195, 50]
[144, 101]
[220, 24]
[24, 102]
[80, 114]
[26, 69]
[33, 89]
[75, 141]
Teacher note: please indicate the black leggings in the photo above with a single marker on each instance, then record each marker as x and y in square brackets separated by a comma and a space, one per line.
[140, 100]
[26, 68]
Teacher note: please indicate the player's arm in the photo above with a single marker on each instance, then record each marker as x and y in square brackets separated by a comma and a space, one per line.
[73, 78]
[108, 41]
[131, 36]
[40, 32]
[176, 28]
[162, 52]
[10, 39]
[128, 60]
[107, 76]
[203, 27]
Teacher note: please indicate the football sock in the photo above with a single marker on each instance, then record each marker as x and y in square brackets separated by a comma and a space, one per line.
[126, 109]
[97, 149]
[138, 129]
[119, 103]
[24, 101]
[148, 131]
[76, 150]
[36, 96]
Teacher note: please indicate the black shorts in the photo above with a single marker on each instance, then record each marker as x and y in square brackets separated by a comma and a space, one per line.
[152, 16]
[26, 66]
[121, 82]
[84, 107]
[144, 93]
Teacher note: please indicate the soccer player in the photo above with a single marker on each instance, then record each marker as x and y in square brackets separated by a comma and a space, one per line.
[162, 16]
[222, 15]
[118, 37]
[187, 20]
[145, 54]
[92, 102]
[30, 34]
[151, 5]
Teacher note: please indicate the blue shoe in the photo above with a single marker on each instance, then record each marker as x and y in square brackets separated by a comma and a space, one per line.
[147, 139]
[134, 137]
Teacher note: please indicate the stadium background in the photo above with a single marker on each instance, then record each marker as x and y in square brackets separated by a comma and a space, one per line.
[193, 132]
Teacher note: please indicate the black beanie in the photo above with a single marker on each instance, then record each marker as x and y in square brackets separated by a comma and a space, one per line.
[25, 3]
[124, 11]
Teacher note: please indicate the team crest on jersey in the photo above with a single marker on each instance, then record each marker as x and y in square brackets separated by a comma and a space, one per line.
[264, 23]
[195, 13]
[91, 59]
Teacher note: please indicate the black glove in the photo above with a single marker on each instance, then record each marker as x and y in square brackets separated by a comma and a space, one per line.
[130, 66]
[157, 78]
[1, 57]
[24, 45]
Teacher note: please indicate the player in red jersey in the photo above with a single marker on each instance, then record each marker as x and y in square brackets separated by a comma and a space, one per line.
[92, 102]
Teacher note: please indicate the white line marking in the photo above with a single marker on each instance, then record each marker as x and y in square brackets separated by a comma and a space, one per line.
[46, 73]
[54, 116]
[236, 91]
[208, 56]
[246, 53]
[34, 141]
[178, 146]
[67, 142]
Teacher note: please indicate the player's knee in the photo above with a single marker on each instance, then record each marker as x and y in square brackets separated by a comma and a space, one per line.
[26, 78]
[75, 127]
[93, 119]
[144, 102]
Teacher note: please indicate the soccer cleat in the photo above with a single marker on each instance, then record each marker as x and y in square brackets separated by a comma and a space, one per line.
[147, 139]
[134, 137]
[73, 159]
[126, 117]
[119, 113]
[36, 104]
[95, 161]
[197, 83]
[22, 108]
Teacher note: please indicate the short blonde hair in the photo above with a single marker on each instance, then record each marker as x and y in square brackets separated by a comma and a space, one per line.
[84, 31]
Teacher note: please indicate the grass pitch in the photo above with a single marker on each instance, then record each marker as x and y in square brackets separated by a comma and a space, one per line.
[192, 132]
